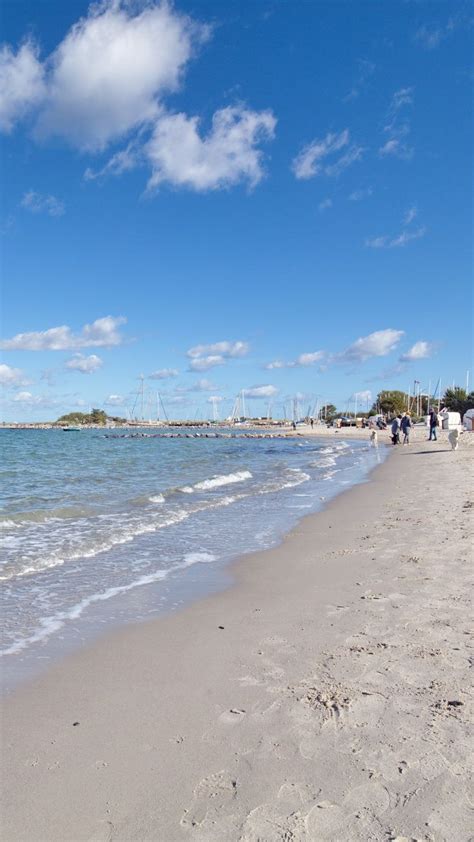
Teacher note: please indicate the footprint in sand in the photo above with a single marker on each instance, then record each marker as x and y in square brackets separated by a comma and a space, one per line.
[211, 796]
[232, 716]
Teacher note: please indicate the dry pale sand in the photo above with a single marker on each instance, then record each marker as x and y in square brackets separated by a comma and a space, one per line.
[324, 697]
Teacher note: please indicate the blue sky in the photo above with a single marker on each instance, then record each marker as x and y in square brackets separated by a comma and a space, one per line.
[267, 196]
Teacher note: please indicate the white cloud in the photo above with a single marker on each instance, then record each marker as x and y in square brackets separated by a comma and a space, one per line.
[400, 240]
[397, 148]
[421, 350]
[225, 349]
[365, 70]
[204, 385]
[362, 397]
[358, 195]
[350, 157]
[21, 83]
[207, 362]
[377, 344]
[406, 236]
[266, 391]
[226, 156]
[23, 397]
[276, 364]
[410, 215]
[114, 400]
[326, 203]
[12, 377]
[108, 74]
[86, 365]
[163, 374]
[204, 357]
[101, 333]
[215, 399]
[310, 359]
[38, 203]
[397, 127]
[310, 161]
[27, 399]
[306, 359]
[429, 37]
[402, 97]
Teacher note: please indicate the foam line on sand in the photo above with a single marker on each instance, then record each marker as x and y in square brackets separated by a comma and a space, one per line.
[323, 697]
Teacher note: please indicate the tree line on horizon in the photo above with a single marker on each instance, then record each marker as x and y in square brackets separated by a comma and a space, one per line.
[388, 402]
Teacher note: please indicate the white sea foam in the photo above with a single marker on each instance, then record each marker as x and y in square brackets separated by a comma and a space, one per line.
[157, 498]
[48, 625]
[223, 479]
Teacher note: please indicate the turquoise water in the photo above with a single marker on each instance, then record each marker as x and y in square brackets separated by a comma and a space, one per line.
[97, 530]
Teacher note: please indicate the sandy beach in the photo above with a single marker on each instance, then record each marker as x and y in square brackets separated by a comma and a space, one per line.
[325, 696]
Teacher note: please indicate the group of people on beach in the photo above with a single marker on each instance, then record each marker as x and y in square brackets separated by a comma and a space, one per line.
[403, 424]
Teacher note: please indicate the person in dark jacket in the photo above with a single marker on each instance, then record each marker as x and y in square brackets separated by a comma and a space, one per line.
[395, 428]
[405, 426]
[434, 422]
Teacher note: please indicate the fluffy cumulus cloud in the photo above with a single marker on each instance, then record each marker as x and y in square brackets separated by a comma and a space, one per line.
[227, 155]
[107, 81]
[84, 364]
[163, 374]
[377, 344]
[110, 71]
[21, 83]
[311, 160]
[38, 203]
[205, 357]
[12, 377]
[266, 391]
[421, 350]
[103, 332]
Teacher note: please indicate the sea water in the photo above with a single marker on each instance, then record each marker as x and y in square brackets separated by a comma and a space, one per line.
[98, 531]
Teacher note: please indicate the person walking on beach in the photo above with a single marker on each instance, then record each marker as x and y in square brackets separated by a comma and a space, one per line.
[405, 426]
[312, 423]
[396, 429]
[434, 422]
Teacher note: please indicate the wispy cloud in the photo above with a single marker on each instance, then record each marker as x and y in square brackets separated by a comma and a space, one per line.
[398, 126]
[365, 69]
[405, 236]
[400, 240]
[101, 333]
[431, 36]
[83, 364]
[325, 204]
[163, 374]
[358, 195]
[311, 160]
[38, 203]
[115, 400]
[303, 360]
[410, 215]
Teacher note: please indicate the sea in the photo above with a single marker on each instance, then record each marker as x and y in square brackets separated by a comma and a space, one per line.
[101, 528]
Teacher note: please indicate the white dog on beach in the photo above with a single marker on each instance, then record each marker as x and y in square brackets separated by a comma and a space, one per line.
[453, 437]
[374, 438]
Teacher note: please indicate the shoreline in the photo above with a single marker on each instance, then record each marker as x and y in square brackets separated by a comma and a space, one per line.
[192, 731]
